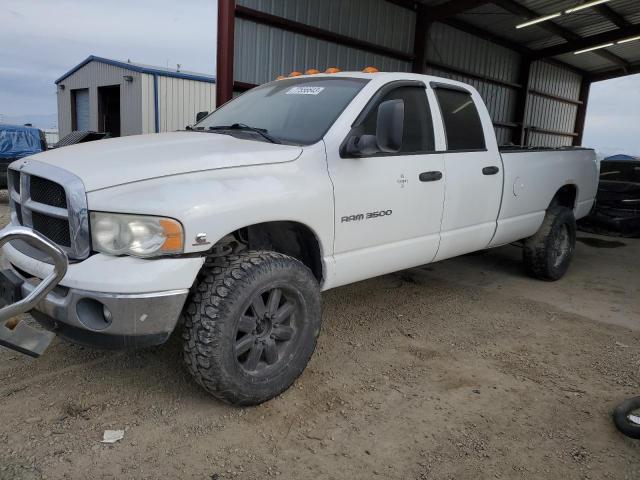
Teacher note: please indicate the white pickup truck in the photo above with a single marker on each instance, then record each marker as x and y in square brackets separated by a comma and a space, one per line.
[230, 230]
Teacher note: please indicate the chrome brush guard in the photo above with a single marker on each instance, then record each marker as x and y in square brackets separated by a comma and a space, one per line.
[19, 335]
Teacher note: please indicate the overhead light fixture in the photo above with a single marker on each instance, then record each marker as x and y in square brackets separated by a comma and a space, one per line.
[585, 5]
[564, 12]
[626, 40]
[539, 20]
[611, 44]
[594, 48]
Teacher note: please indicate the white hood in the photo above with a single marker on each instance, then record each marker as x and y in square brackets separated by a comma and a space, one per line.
[106, 163]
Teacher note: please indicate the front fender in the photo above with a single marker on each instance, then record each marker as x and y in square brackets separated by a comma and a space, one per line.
[221, 201]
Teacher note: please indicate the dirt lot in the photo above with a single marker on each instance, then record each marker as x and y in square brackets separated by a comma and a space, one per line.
[464, 369]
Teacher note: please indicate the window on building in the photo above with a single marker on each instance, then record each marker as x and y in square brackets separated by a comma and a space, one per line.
[462, 123]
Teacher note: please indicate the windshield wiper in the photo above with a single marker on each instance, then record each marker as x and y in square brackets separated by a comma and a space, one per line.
[241, 126]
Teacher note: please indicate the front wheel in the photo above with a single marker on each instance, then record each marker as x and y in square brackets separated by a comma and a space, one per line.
[548, 253]
[251, 326]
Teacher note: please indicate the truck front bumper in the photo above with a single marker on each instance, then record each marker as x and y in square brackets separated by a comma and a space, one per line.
[118, 308]
[107, 320]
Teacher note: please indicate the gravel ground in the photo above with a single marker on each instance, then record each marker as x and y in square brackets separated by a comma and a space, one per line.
[464, 369]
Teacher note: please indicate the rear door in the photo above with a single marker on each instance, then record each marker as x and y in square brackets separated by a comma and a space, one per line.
[388, 207]
[473, 172]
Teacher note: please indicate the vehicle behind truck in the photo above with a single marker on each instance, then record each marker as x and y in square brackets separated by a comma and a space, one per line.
[18, 141]
[228, 232]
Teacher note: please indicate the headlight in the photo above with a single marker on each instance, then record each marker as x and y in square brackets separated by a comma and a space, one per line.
[137, 235]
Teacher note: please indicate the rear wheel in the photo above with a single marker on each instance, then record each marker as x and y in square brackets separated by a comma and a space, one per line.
[548, 253]
[251, 326]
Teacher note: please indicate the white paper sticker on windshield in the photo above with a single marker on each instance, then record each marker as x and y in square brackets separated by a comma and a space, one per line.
[304, 90]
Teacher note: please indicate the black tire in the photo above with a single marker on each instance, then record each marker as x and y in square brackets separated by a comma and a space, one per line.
[548, 253]
[621, 417]
[240, 352]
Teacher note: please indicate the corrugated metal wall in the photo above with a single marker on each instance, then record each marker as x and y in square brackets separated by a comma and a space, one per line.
[179, 100]
[551, 114]
[454, 48]
[148, 104]
[92, 76]
[262, 52]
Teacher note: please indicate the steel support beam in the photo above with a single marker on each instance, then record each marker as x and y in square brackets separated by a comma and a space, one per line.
[615, 73]
[524, 77]
[581, 115]
[476, 76]
[614, 17]
[420, 42]
[454, 7]
[225, 51]
[557, 98]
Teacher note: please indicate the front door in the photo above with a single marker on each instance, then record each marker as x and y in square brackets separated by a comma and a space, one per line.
[388, 207]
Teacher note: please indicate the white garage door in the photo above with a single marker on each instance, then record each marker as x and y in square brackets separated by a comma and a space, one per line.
[82, 109]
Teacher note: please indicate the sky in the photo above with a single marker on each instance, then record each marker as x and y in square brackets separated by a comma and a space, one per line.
[613, 117]
[42, 39]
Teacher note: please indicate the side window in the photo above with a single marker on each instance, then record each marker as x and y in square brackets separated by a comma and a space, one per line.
[418, 127]
[461, 120]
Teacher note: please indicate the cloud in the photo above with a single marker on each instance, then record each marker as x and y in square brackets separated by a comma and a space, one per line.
[42, 40]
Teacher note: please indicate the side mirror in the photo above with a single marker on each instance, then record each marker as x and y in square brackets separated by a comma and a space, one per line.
[389, 129]
[201, 115]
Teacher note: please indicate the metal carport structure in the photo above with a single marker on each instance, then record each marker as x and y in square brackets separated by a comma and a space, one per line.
[535, 84]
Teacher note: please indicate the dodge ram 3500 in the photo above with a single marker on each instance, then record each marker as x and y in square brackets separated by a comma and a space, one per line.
[230, 230]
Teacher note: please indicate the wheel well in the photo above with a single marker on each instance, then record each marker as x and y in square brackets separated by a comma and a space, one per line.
[565, 197]
[290, 238]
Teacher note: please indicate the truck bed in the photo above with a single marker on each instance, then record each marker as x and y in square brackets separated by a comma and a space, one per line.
[532, 176]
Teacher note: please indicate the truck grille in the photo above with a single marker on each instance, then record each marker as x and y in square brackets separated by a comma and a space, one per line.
[52, 202]
[55, 229]
[48, 192]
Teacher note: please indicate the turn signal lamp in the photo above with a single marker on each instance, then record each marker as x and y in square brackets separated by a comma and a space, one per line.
[332, 70]
[370, 70]
[295, 74]
[312, 71]
[173, 235]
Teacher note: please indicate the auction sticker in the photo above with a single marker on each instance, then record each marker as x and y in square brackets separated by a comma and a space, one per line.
[304, 90]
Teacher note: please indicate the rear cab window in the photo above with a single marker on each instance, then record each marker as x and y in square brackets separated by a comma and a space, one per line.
[462, 124]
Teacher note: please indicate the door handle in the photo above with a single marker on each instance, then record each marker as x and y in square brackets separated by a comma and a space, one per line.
[430, 176]
[490, 170]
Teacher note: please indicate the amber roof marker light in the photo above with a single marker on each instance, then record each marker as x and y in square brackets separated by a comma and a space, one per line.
[370, 70]
[332, 70]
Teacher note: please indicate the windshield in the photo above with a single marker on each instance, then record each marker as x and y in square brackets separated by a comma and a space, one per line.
[297, 111]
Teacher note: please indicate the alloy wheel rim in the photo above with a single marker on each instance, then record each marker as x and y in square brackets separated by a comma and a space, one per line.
[266, 330]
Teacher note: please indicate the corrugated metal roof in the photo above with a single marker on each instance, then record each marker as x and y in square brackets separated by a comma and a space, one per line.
[585, 23]
[141, 68]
